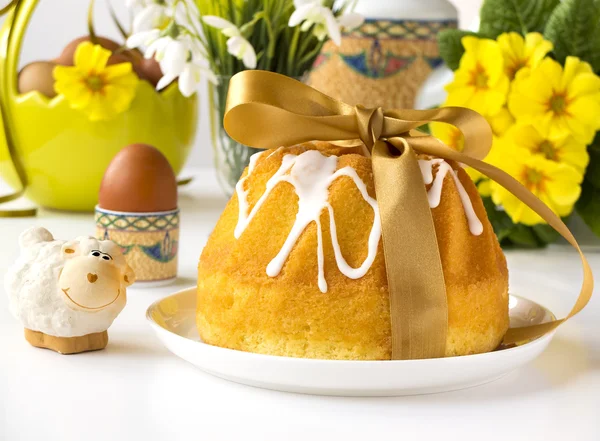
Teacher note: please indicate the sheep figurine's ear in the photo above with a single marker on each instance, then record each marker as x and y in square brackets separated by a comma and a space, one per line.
[128, 276]
[70, 249]
[34, 235]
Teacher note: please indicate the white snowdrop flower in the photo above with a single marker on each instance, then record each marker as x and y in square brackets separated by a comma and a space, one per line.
[189, 78]
[313, 12]
[171, 53]
[143, 38]
[153, 16]
[187, 14]
[166, 29]
[237, 45]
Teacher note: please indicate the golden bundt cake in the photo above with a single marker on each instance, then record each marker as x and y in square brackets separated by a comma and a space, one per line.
[280, 276]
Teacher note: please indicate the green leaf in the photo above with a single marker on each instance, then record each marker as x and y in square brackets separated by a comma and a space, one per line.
[545, 233]
[522, 16]
[574, 30]
[450, 45]
[588, 206]
[592, 174]
[517, 235]
[426, 128]
[501, 222]
[524, 236]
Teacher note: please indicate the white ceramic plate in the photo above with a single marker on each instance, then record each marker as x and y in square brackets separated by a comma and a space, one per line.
[173, 319]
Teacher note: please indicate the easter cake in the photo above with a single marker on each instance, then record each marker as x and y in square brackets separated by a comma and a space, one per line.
[295, 265]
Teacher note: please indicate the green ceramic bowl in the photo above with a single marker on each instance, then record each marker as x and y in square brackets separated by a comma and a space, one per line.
[63, 153]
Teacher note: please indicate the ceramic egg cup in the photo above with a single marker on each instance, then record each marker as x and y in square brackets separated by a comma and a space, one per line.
[149, 242]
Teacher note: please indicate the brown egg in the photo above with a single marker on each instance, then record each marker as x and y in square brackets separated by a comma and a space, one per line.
[37, 76]
[66, 58]
[133, 56]
[139, 179]
[149, 70]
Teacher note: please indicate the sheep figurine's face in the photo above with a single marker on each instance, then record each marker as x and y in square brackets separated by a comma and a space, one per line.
[95, 274]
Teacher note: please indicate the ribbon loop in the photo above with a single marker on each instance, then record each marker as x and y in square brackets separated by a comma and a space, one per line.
[370, 124]
[268, 110]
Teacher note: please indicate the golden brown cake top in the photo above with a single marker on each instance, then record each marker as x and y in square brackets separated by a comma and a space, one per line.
[313, 171]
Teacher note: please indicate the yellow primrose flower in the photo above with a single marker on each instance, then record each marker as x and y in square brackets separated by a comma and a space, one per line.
[449, 135]
[556, 184]
[453, 138]
[557, 101]
[501, 121]
[495, 157]
[90, 85]
[480, 82]
[565, 149]
[519, 52]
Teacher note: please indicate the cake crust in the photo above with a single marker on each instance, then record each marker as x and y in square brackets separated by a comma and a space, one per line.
[241, 307]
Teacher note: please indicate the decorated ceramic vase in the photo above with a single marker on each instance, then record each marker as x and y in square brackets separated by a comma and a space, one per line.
[385, 61]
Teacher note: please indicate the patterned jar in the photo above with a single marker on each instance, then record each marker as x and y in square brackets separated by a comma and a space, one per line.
[384, 62]
[149, 241]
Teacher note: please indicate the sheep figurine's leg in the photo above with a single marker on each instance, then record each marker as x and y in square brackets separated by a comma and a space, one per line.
[67, 345]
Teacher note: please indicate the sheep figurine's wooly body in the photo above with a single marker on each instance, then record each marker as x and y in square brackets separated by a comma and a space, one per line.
[67, 294]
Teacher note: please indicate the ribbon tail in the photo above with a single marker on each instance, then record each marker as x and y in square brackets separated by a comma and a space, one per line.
[434, 147]
[418, 302]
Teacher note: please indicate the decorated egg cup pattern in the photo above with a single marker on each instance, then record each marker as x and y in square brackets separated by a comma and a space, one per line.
[149, 241]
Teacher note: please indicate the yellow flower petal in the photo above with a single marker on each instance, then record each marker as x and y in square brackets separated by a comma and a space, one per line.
[556, 184]
[80, 97]
[573, 152]
[90, 58]
[448, 134]
[501, 121]
[584, 84]
[116, 71]
[573, 68]
[484, 187]
[480, 82]
[91, 86]
[536, 48]
[558, 101]
[459, 95]
[519, 53]
[587, 110]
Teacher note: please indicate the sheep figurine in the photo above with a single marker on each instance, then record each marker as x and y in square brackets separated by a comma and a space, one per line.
[67, 294]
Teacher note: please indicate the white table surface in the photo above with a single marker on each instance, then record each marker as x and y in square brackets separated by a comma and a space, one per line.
[136, 390]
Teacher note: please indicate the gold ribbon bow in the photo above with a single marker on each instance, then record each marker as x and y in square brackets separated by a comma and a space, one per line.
[268, 110]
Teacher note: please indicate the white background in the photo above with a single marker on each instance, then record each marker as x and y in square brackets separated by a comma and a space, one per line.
[56, 22]
[135, 390]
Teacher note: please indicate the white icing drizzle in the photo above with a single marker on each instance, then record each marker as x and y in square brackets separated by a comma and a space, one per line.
[311, 175]
[242, 193]
[435, 192]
